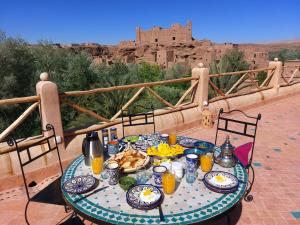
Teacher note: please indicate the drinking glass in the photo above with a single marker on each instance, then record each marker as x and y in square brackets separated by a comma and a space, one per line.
[190, 177]
[97, 164]
[172, 139]
[168, 182]
[206, 162]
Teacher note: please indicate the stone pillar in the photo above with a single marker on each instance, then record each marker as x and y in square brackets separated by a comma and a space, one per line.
[50, 107]
[275, 80]
[201, 93]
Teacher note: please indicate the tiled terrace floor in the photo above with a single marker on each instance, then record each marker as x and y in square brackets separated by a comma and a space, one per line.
[276, 159]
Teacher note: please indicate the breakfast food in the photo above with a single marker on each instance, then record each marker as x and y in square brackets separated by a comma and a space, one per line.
[220, 179]
[147, 195]
[165, 150]
[131, 160]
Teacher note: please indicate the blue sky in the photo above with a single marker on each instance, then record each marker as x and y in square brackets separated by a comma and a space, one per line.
[110, 21]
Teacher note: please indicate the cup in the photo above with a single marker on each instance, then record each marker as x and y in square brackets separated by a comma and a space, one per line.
[190, 177]
[172, 139]
[192, 162]
[164, 138]
[112, 147]
[112, 168]
[206, 162]
[97, 165]
[168, 183]
[177, 169]
[158, 171]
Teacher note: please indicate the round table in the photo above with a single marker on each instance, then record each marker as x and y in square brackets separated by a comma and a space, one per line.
[191, 203]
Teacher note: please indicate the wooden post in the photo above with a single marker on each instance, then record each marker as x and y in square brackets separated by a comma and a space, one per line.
[50, 107]
[201, 93]
[275, 79]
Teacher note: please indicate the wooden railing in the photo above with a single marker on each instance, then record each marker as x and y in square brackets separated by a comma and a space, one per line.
[236, 88]
[292, 77]
[106, 122]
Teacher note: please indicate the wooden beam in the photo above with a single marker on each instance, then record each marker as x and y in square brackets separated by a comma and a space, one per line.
[127, 104]
[186, 93]
[216, 88]
[239, 72]
[118, 121]
[84, 110]
[159, 97]
[294, 73]
[218, 98]
[12, 101]
[18, 121]
[268, 78]
[236, 84]
[125, 87]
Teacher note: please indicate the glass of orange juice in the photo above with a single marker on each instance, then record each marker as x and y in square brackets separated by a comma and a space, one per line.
[97, 164]
[206, 162]
[172, 139]
[168, 183]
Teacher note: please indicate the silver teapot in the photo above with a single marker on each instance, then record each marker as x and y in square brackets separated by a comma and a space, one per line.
[226, 157]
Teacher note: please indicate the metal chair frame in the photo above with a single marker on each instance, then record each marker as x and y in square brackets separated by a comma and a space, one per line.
[245, 132]
[148, 118]
[23, 163]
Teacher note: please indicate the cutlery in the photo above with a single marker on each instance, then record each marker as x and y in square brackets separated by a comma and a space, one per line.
[93, 192]
[161, 214]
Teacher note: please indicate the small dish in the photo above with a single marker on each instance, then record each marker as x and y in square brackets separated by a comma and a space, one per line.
[187, 142]
[221, 180]
[144, 196]
[131, 139]
[204, 145]
[79, 184]
[127, 182]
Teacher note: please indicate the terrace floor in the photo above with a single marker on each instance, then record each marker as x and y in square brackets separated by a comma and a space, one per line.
[276, 161]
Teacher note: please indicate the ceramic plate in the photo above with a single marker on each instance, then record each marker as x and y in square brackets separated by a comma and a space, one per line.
[131, 138]
[222, 191]
[221, 180]
[144, 196]
[79, 184]
[204, 145]
[187, 142]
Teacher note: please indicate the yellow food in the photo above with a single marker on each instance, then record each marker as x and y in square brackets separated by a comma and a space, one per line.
[165, 150]
[220, 178]
[147, 192]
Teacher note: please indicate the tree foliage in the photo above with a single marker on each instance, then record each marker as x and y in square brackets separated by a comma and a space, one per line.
[21, 66]
[285, 54]
[232, 61]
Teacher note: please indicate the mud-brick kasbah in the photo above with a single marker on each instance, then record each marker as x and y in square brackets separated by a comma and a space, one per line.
[176, 45]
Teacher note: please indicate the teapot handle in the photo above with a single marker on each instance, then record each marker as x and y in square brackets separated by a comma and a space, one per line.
[83, 147]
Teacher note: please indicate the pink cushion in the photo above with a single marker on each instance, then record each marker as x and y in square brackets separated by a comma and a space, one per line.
[242, 153]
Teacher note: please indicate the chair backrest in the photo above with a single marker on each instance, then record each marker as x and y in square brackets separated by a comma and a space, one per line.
[245, 126]
[138, 119]
[49, 139]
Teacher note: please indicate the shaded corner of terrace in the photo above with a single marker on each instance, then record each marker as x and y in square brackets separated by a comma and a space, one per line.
[276, 188]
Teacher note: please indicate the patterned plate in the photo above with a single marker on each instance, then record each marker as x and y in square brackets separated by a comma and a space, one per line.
[221, 180]
[79, 184]
[222, 191]
[187, 142]
[135, 199]
[131, 138]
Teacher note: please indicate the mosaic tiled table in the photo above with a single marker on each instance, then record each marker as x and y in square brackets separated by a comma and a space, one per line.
[189, 204]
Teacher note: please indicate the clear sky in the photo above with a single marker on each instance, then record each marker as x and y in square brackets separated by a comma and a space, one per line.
[110, 21]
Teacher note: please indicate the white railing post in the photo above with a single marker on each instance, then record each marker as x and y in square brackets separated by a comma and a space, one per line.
[201, 93]
[50, 107]
[275, 79]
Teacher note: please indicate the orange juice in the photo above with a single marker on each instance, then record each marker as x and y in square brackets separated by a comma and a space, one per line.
[168, 182]
[97, 165]
[206, 162]
[172, 139]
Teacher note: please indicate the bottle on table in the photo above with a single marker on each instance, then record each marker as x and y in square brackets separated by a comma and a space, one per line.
[113, 134]
[105, 138]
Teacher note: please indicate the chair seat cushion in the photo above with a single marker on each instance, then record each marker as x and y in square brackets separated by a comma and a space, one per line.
[242, 153]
